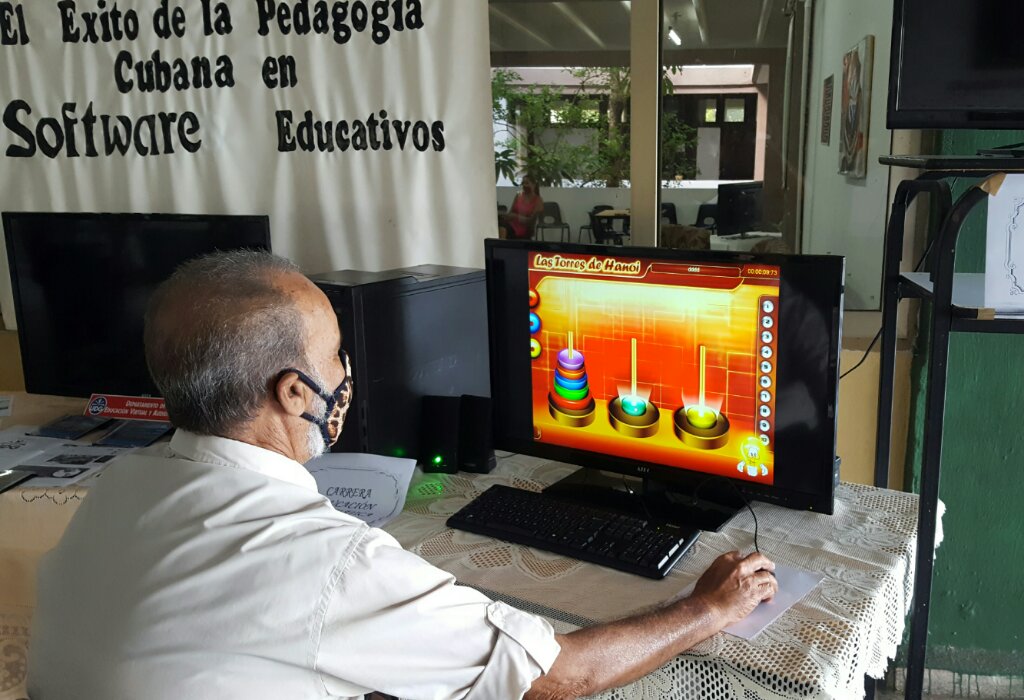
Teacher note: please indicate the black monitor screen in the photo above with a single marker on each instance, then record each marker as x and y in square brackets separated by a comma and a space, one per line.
[957, 64]
[81, 283]
[739, 207]
[670, 364]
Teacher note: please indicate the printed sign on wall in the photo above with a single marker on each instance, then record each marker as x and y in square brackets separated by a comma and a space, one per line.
[362, 127]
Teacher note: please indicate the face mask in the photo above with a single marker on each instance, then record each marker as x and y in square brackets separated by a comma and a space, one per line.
[336, 403]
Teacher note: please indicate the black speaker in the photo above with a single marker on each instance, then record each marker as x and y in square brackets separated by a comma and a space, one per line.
[439, 434]
[455, 433]
[476, 453]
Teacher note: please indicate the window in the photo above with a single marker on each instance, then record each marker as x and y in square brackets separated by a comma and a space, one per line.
[735, 109]
[709, 110]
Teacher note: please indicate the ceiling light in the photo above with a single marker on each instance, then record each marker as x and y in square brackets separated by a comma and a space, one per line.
[674, 37]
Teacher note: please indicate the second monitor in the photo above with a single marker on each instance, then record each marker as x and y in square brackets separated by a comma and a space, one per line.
[740, 207]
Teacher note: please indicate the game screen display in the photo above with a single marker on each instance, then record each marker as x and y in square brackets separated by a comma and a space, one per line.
[667, 362]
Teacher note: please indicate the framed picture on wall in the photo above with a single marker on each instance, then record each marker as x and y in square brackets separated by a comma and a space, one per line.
[855, 109]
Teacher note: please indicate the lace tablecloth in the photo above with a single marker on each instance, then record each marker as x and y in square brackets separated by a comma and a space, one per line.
[31, 522]
[846, 628]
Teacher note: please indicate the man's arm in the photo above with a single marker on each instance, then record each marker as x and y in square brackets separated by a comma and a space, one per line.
[607, 656]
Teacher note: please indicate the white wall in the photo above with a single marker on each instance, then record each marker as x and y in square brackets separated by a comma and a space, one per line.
[576, 202]
[844, 216]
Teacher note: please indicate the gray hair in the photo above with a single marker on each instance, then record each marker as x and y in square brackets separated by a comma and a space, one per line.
[217, 334]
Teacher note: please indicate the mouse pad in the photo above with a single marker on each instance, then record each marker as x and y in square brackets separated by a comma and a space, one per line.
[794, 584]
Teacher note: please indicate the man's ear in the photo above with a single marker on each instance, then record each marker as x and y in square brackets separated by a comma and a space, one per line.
[291, 394]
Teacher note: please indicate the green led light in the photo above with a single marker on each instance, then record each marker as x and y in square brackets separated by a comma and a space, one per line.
[437, 459]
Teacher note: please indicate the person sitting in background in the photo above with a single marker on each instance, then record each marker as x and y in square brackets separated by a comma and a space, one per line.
[521, 220]
[210, 568]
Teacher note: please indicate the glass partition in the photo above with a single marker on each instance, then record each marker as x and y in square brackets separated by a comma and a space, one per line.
[731, 110]
[561, 91]
[750, 91]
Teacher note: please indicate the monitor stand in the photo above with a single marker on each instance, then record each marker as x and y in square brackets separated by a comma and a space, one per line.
[708, 505]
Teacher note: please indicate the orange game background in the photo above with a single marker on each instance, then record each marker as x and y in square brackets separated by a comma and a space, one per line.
[670, 322]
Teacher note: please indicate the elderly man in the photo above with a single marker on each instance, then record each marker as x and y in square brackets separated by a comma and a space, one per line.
[210, 568]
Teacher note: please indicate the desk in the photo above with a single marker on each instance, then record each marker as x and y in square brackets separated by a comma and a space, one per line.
[742, 243]
[606, 219]
[822, 648]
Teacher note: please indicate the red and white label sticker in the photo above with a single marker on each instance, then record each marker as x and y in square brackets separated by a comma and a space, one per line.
[126, 407]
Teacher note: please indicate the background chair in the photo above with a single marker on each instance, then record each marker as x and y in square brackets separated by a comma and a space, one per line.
[589, 228]
[502, 230]
[668, 213]
[603, 231]
[551, 217]
[707, 216]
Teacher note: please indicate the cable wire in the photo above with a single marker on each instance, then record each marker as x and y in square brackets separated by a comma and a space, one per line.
[916, 268]
[865, 356]
[739, 493]
[640, 498]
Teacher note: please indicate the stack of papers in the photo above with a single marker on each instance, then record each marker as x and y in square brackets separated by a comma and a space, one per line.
[54, 462]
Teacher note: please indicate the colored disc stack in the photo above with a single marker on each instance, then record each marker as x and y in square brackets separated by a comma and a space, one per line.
[569, 400]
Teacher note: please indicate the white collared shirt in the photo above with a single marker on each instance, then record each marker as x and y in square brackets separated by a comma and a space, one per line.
[208, 568]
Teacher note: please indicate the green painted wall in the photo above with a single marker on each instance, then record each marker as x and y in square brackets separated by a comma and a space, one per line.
[977, 618]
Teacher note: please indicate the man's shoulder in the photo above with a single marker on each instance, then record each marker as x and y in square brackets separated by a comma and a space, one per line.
[158, 478]
[156, 501]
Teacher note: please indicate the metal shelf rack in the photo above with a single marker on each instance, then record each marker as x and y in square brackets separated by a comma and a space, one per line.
[956, 307]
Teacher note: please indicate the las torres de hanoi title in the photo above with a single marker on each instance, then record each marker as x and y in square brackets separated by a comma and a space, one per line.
[81, 131]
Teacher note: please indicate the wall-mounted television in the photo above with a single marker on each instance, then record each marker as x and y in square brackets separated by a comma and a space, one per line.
[957, 64]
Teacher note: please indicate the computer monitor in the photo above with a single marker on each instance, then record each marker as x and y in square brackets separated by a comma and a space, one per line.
[712, 374]
[739, 207]
[956, 64]
[81, 283]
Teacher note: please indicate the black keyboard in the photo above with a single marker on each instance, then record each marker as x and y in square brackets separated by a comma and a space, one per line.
[598, 536]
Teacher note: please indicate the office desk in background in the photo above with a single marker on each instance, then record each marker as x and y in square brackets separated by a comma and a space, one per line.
[736, 243]
[744, 242]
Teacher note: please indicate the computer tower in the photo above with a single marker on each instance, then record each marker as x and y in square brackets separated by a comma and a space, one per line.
[409, 333]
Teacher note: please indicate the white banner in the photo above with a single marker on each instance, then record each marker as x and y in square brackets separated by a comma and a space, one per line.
[361, 127]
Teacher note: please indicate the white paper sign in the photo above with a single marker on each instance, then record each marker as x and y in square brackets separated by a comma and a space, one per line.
[369, 487]
[1004, 247]
[363, 128]
[67, 463]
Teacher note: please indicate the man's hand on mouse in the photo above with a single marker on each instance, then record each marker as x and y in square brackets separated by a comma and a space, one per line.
[734, 585]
